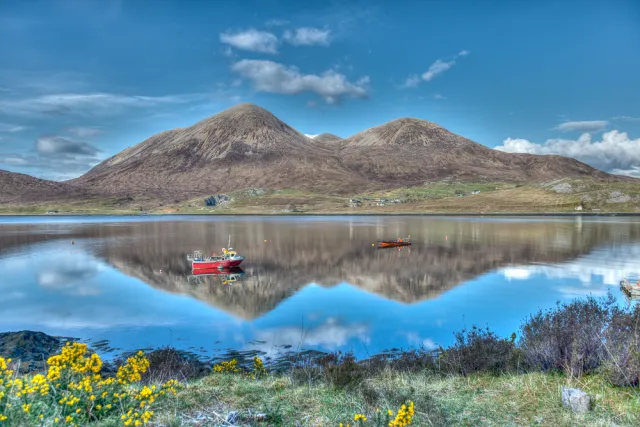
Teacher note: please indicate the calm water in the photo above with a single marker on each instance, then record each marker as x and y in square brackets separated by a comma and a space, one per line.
[317, 283]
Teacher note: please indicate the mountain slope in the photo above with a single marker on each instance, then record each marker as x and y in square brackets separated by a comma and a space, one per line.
[247, 146]
[244, 146]
[19, 188]
[411, 151]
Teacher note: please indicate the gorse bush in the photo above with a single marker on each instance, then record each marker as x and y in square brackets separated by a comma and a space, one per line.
[479, 350]
[341, 370]
[74, 392]
[231, 366]
[622, 347]
[584, 336]
[568, 338]
[387, 418]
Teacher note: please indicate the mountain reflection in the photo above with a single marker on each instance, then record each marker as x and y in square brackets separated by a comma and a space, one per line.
[325, 251]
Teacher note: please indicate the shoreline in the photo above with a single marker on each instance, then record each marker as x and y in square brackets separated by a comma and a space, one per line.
[330, 214]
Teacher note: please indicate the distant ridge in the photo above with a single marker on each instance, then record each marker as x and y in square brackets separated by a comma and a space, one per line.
[17, 188]
[327, 138]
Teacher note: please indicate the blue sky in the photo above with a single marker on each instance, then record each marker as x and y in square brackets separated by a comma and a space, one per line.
[82, 80]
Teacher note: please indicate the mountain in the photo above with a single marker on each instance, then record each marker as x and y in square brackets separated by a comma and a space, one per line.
[18, 188]
[411, 151]
[247, 146]
[242, 147]
[327, 138]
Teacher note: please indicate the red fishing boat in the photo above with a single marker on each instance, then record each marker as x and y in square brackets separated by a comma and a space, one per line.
[394, 243]
[229, 259]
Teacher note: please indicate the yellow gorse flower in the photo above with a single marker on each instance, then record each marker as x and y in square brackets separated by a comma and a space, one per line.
[75, 393]
[403, 417]
[224, 366]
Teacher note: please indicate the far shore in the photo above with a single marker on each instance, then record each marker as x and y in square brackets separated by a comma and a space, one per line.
[284, 214]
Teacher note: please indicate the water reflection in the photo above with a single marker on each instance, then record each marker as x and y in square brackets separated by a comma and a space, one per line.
[316, 282]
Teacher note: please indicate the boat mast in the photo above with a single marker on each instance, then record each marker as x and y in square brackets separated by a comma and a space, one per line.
[229, 241]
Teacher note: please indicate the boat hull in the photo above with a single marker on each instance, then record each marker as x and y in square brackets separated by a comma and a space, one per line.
[391, 244]
[208, 265]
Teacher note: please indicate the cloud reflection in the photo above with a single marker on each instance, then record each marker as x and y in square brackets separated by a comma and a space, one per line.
[330, 335]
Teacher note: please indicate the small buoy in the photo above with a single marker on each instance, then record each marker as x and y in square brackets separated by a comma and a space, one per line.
[160, 271]
[265, 241]
[269, 241]
[73, 243]
[373, 244]
[446, 237]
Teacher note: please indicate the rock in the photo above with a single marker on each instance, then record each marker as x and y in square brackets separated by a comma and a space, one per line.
[29, 348]
[218, 200]
[253, 192]
[618, 197]
[563, 188]
[232, 417]
[576, 400]
[586, 198]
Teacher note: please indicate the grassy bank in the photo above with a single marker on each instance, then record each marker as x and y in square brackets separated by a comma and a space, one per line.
[289, 400]
[510, 399]
[562, 196]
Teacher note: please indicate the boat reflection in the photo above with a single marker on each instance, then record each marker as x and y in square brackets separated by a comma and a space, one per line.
[228, 276]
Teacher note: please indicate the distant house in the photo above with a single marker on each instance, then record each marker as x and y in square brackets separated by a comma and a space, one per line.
[52, 212]
[475, 192]
[579, 208]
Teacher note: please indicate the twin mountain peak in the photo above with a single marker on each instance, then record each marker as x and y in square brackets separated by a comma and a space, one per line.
[247, 146]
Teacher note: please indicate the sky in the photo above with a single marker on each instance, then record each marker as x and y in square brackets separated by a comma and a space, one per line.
[82, 80]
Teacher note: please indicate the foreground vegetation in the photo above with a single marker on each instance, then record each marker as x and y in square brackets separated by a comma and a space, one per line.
[482, 379]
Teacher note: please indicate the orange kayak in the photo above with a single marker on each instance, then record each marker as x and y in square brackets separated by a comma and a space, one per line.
[392, 243]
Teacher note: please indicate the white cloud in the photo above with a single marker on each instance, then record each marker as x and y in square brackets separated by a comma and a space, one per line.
[87, 103]
[439, 97]
[615, 152]
[633, 171]
[276, 22]
[273, 77]
[84, 132]
[412, 81]
[583, 126]
[57, 145]
[6, 127]
[15, 161]
[627, 118]
[56, 157]
[436, 69]
[307, 36]
[308, 135]
[251, 40]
